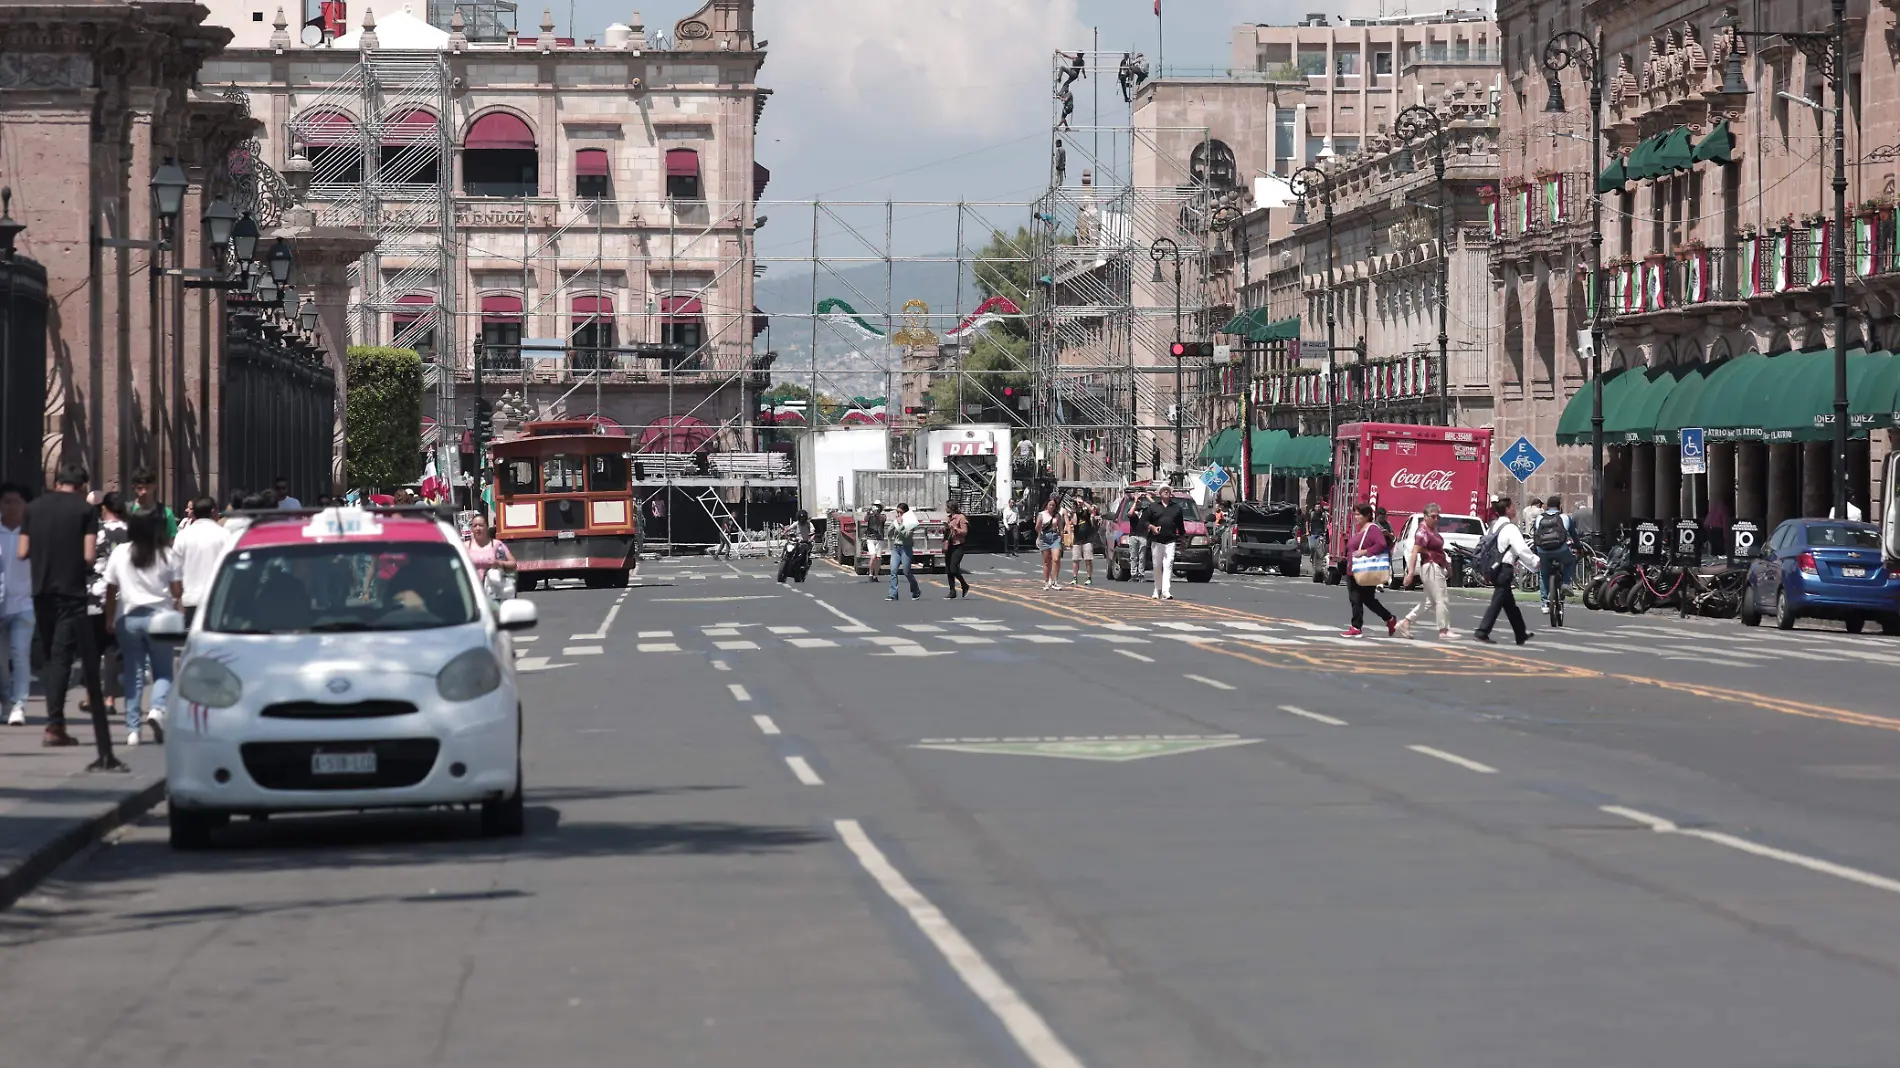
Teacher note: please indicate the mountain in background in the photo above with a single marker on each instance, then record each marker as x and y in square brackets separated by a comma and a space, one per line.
[850, 363]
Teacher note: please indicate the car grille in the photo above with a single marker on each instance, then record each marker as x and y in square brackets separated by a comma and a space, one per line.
[323, 710]
[286, 765]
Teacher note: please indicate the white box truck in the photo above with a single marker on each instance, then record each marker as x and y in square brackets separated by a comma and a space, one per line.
[827, 460]
[977, 457]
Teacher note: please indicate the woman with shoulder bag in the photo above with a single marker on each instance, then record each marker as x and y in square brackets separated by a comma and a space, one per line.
[1371, 569]
[494, 564]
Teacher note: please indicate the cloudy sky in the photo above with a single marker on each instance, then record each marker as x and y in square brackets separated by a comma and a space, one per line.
[939, 99]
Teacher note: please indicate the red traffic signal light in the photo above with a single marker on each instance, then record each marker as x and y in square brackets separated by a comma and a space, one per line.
[1192, 350]
[1009, 391]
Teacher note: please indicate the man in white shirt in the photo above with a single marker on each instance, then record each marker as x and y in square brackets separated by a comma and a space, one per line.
[281, 487]
[1513, 552]
[201, 544]
[16, 604]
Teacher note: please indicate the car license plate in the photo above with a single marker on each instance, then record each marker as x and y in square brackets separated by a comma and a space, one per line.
[565, 535]
[1854, 572]
[343, 763]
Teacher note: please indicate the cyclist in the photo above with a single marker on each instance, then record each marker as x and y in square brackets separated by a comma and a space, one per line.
[1555, 535]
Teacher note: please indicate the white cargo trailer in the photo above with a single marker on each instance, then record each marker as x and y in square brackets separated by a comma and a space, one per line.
[828, 459]
[977, 457]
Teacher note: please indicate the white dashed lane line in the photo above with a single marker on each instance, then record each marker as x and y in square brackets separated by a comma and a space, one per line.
[1453, 758]
[1205, 681]
[802, 771]
[1295, 710]
[739, 693]
[766, 726]
[721, 665]
[1799, 860]
[1132, 655]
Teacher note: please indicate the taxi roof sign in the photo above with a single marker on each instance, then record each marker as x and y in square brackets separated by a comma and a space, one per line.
[343, 523]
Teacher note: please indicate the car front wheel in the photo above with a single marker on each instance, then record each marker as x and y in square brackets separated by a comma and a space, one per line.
[1203, 575]
[507, 817]
[1856, 625]
[191, 830]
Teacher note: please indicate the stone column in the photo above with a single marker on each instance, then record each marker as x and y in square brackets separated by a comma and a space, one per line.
[323, 255]
[1782, 478]
[1817, 477]
[1721, 480]
[1642, 481]
[1751, 482]
[1668, 499]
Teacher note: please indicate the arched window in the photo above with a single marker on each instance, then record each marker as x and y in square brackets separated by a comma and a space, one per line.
[590, 173]
[1212, 164]
[682, 174]
[414, 323]
[333, 143]
[591, 337]
[410, 151]
[499, 158]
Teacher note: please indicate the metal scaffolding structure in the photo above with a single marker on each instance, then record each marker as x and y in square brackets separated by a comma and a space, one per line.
[1109, 301]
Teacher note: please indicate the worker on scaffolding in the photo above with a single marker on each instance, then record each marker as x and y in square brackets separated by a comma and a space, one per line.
[1134, 71]
[1062, 163]
[1068, 108]
[1071, 72]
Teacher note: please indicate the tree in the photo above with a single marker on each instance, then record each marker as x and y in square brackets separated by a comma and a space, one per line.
[1000, 355]
[384, 446]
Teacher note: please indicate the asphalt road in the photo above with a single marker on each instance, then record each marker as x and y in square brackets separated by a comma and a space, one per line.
[805, 825]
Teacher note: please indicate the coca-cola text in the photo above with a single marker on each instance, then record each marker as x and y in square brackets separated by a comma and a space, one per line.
[1437, 481]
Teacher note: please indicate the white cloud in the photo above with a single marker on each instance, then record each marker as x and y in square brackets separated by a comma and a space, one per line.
[927, 68]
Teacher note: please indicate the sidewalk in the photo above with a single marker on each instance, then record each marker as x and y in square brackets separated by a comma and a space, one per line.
[50, 809]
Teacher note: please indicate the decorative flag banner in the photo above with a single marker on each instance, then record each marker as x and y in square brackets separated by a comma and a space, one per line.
[1652, 285]
[1821, 263]
[1626, 289]
[1778, 254]
[838, 311]
[1521, 208]
[1698, 276]
[1590, 295]
[990, 311]
[1864, 264]
[1554, 199]
[1750, 248]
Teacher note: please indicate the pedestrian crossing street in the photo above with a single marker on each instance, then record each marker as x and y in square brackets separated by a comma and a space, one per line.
[1725, 646]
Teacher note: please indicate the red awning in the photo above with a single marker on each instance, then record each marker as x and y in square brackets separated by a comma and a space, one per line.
[588, 309]
[681, 309]
[760, 179]
[323, 129]
[590, 162]
[499, 130]
[410, 127]
[682, 163]
[501, 308]
[675, 433]
[414, 306]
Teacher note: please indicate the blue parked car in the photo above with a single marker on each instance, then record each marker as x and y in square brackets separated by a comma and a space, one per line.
[1823, 569]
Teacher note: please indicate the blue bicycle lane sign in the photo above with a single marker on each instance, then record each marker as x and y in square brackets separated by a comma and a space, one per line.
[1522, 459]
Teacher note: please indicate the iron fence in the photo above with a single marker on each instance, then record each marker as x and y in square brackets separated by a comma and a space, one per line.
[278, 413]
[22, 371]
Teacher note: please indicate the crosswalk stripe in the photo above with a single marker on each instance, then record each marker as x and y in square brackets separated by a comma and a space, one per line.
[735, 645]
[812, 643]
[786, 630]
[1043, 639]
[969, 639]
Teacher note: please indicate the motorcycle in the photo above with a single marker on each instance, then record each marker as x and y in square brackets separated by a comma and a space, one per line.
[795, 561]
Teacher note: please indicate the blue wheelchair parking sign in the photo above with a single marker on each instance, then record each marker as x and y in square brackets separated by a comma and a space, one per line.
[1522, 459]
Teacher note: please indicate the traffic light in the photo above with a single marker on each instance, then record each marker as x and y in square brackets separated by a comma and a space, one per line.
[484, 417]
[1192, 350]
[1019, 396]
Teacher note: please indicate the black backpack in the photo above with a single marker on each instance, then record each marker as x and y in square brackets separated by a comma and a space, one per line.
[874, 524]
[1552, 531]
[1490, 555]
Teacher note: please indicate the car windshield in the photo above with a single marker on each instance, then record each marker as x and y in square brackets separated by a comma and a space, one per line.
[311, 589]
[1460, 524]
[1842, 536]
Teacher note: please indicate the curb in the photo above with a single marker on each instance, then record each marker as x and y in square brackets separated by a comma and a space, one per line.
[57, 850]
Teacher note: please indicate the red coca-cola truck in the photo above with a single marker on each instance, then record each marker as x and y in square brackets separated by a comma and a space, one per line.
[1402, 468]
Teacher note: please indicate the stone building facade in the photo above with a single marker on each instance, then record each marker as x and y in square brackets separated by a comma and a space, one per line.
[599, 194]
[1701, 263]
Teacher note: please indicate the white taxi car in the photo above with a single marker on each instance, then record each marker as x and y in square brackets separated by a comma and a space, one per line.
[345, 659]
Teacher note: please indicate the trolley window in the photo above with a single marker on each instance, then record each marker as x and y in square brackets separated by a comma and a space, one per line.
[519, 476]
[606, 473]
[563, 474]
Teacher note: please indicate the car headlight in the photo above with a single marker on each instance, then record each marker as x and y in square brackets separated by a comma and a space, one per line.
[1198, 540]
[204, 681]
[469, 675]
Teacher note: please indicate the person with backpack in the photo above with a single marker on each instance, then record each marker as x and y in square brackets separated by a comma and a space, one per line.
[1554, 533]
[1501, 552]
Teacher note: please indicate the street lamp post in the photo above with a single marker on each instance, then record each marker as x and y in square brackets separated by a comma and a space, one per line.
[1567, 49]
[1420, 121]
[1163, 249]
[1306, 182]
[1827, 50]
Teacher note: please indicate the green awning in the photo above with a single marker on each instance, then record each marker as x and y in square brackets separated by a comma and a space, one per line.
[1614, 177]
[1304, 456]
[1716, 146]
[1573, 426]
[1642, 162]
[1267, 448]
[1876, 401]
[1675, 153]
[1725, 407]
[1680, 406]
[1223, 448]
[1279, 330]
[1245, 321]
[1634, 420]
[1801, 405]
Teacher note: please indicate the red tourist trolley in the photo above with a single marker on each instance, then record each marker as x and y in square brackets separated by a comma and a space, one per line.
[564, 502]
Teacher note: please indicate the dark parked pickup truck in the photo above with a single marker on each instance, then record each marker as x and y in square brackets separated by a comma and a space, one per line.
[1259, 535]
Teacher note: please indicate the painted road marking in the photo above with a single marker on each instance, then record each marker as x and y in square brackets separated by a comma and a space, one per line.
[1122, 627]
[656, 634]
[802, 771]
[1115, 749]
[1120, 639]
[890, 641]
[1031, 1033]
[1044, 639]
[736, 645]
[1801, 860]
[522, 638]
[536, 663]
[1055, 626]
[1132, 655]
[1453, 758]
[857, 628]
[1295, 710]
[766, 726]
[601, 632]
[922, 628]
[787, 630]
[720, 665]
[739, 693]
[720, 632]
[969, 639]
[813, 643]
[826, 605]
[580, 650]
[988, 628]
[1192, 628]
[1205, 681]
[714, 600]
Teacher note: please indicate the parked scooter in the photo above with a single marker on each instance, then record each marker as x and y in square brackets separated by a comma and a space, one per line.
[795, 561]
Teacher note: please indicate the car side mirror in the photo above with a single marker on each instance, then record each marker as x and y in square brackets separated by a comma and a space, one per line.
[168, 626]
[516, 614]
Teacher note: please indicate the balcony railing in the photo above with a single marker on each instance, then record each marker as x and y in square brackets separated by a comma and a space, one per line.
[1779, 261]
[1547, 203]
[626, 363]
